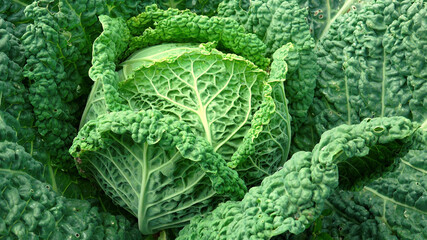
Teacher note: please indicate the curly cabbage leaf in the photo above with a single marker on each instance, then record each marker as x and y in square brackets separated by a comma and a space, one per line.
[30, 208]
[277, 23]
[156, 26]
[13, 12]
[292, 198]
[58, 45]
[17, 113]
[372, 66]
[393, 206]
[390, 207]
[13, 92]
[155, 167]
[322, 14]
[268, 144]
[202, 7]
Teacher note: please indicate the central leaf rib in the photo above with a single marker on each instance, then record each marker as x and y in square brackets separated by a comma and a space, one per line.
[142, 203]
[202, 109]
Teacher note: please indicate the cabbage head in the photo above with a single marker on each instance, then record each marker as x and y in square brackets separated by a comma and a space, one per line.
[180, 119]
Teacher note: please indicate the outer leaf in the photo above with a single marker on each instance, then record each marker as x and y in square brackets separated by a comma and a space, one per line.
[49, 215]
[13, 155]
[323, 14]
[391, 207]
[17, 113]
[58, 49]
[13, 93]
[23, 158]
[155, 167]
[414, 43]
[56, 75]
[293, 197]
[32, 209]
[13, 12]
[274, 22]
[372, 65]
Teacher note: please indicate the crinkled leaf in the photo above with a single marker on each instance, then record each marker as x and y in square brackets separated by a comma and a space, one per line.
[372, 65]
[322, 14]
[17, 113]
[30, 208]
[13, 12]
[155, 167]
[295, 196]
[277, 23]
[391, 207]
[58, 45]
[203, 7]
[156, 26]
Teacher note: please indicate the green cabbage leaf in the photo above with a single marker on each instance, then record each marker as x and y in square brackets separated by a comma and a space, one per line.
[277, 23]
[295, 196]
[31, 208]
[372, 65]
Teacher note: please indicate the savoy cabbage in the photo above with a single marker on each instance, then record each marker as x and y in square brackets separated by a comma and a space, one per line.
[201, 110]
[232, 119]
